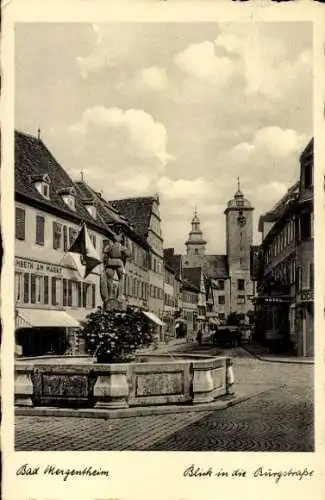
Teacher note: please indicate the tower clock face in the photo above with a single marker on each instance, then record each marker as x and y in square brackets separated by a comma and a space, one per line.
[241, 220]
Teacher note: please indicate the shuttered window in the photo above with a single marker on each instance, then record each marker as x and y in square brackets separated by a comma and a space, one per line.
[72, 235]
[57, 235]
[26, 288]
[40, 225]
[20, 223]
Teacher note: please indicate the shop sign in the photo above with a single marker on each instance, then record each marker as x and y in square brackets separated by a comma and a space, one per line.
[30, 265]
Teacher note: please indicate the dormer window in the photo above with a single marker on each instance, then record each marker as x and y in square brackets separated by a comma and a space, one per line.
[90, 207]
[69, 197]
[42, 184]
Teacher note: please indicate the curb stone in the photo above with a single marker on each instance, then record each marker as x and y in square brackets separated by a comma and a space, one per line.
[220, 404]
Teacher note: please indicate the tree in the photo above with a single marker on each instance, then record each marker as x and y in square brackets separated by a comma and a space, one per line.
[114, 336]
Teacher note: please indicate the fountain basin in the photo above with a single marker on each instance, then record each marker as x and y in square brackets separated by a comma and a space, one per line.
[152, 379]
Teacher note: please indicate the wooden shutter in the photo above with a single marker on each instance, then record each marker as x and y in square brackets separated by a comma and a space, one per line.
[54, 292]
[26, 288]
[93, 297]
[33, 289]
[79, 294]
[46, 289]
[69, 293]
[57, 231]
[20, 223]
[65, 292]
[65, 238]
[40, 221]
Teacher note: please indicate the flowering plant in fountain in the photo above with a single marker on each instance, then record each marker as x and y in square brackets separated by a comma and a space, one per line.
[114, 336]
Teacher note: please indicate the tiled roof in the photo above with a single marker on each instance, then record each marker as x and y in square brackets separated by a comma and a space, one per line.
[33, 159]
[174, 261]
[137, 211]
[193, 275]
[189, 286]
[216, 266]
[107, 212]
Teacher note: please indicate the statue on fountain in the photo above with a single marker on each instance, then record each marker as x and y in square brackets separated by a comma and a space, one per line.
[115, 255]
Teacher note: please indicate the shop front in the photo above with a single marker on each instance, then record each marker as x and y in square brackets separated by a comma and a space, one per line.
[305, 323]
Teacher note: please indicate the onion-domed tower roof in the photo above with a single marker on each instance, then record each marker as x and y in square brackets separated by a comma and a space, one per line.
[239, 201]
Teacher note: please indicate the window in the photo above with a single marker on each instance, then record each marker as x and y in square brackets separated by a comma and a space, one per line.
[196, 251]
[221, 316]
[57, 235]
[40, 221]
[45, 189]
[93, 238]
[20, 223]
[72, 235]
[18, 287]
[240, 284]
[308, 176]
[36, 289]
[221, 299]
[79, 293]
[85, 289]
[240, 299]
[56, 287]
[221, 284]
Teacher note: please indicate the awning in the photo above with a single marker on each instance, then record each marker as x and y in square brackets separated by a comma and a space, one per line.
[27, 318]
[153, 318]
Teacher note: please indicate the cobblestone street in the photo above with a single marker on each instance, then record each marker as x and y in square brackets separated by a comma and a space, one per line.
[279, 418]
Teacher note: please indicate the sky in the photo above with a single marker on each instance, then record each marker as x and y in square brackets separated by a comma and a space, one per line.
[171, 108]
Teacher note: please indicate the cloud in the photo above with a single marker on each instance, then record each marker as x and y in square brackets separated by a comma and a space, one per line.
[279, 143]
[185, 190]
[141, 134]
[200, 61]
[154, 78]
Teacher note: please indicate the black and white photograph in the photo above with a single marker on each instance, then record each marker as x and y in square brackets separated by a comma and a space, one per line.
[164, 237]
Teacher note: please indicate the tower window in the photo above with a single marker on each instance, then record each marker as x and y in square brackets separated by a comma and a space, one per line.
[221, 299]
[196, 251]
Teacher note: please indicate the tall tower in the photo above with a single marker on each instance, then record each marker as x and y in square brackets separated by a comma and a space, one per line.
[239, 239]
[195, 245]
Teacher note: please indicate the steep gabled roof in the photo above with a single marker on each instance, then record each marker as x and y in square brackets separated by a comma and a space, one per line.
[193, 275]
[216, 266]
[33, 160]
[174, 261]
[108, 213]
[137, 211]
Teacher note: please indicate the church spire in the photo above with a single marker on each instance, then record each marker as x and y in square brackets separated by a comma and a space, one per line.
[195, 243]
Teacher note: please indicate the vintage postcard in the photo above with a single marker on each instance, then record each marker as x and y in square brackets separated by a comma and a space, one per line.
[162, 221]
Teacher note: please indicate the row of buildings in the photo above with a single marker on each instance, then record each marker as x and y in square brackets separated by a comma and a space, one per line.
[52, 298]
[181, 293]
[284, 267]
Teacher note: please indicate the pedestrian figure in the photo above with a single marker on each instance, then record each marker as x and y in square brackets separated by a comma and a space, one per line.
[199, 337]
